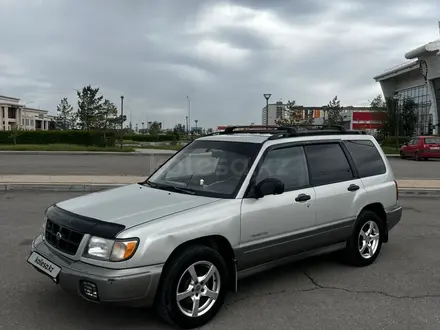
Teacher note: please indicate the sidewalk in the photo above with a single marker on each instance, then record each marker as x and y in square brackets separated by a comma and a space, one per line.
[95, 183]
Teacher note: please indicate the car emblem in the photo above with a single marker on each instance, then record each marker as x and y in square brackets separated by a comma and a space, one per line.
[59, 236]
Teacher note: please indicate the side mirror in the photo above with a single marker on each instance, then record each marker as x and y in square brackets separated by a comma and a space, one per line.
[269, 186]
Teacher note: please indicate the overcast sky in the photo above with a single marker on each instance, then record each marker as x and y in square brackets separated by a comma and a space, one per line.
[224, 55]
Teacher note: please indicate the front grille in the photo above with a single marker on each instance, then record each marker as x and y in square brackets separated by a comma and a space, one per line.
[62, 238]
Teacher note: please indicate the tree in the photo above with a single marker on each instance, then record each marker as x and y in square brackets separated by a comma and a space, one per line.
[66, 116]
[89, 104]
[333, 110]
[107, 116]
[155, 128]
[408, 118]
[293, 114]
[180, 129]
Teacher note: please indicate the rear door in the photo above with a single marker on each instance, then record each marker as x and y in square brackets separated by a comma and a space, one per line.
[339, 193]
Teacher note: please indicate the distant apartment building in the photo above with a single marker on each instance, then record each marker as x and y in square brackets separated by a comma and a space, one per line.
[275, 112]
[14, 114]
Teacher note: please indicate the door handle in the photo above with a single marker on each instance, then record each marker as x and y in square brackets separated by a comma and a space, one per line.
[302, 198]
[353, 187]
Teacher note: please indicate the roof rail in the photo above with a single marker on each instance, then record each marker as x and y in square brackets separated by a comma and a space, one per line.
[284, 131]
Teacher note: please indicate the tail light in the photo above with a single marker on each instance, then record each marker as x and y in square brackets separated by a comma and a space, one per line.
[397, 190]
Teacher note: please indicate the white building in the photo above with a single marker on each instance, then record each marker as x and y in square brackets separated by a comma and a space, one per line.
[277, 111]
[14, 114]
[418, 79]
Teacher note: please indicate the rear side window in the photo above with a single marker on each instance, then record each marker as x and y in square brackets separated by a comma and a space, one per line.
[327, 164]
[433, 140]
[366, 158]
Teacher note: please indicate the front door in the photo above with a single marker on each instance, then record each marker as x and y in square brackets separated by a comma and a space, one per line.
[275, 226]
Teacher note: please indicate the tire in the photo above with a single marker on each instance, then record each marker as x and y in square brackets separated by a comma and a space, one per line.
[417, 157]
[402, 155]
[353, 250]
[177, 277]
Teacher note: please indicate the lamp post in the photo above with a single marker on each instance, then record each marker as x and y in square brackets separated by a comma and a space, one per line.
[189, 114]
[267, 97]
[196, 121]
[187, 126]
[122, 119]
[396, 98]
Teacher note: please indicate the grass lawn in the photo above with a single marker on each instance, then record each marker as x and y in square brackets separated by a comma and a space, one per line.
[60, 147]
[390, 150]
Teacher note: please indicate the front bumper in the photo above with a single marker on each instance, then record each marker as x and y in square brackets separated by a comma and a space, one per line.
[394, 215]
[133, 286]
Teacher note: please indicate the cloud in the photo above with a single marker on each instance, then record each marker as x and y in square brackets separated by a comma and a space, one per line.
[223, 54]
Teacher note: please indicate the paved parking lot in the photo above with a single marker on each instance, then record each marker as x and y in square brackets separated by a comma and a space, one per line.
[106, 164]
[400, 291]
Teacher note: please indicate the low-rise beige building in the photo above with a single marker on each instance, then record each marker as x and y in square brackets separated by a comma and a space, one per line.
[14, 114]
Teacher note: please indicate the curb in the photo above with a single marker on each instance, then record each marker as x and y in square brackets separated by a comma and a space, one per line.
[94, 187]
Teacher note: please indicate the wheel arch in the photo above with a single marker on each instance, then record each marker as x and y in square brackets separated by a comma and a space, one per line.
[218, 243]
[379, 210]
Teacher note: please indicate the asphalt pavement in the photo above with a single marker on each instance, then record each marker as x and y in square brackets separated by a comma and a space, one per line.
[105, 164]
[401, 290]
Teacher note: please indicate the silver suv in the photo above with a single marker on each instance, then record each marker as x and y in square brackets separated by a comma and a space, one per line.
[226, 206]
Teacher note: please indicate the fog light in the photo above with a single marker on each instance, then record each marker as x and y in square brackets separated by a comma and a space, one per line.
[89, 290]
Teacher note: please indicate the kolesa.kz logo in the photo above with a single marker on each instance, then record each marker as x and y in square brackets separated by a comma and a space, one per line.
[41, 263]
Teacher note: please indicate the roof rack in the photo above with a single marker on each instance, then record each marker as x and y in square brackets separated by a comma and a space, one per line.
[284, 131]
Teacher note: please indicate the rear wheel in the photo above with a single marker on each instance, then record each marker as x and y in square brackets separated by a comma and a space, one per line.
[193, 288]
[402, 155]
[364, 246]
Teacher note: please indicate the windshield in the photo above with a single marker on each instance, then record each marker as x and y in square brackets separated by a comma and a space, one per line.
[433, 140]
[207, 168]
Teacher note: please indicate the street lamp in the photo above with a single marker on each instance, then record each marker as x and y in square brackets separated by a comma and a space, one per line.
[122, 119]
[187, 126]
[196, 121]
[267, 97]
[189, 113]
[396, 98]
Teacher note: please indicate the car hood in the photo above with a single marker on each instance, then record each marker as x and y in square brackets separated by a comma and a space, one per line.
[133, 204]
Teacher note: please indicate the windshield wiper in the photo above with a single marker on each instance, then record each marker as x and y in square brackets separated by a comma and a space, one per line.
[170, 188]
[184, 190]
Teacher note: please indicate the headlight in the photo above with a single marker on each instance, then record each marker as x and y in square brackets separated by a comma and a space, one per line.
[43, 227]
[111, 250]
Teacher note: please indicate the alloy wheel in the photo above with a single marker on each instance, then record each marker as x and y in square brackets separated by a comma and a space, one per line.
[198, 289]
[368, 240]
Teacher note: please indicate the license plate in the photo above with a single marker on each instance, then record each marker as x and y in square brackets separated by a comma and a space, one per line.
[435, 148]
[44, 265]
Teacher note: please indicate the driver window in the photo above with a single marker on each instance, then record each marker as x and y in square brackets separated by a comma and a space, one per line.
[199, 162]
[286, 164]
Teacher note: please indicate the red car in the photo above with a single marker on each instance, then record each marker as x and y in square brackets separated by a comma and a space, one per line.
[421, 148]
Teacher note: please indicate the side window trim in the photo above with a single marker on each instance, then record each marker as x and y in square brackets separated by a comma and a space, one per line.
[355, 174]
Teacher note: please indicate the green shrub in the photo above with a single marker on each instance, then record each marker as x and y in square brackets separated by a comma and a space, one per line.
[78, 137]
[152, 138]
[391, 141]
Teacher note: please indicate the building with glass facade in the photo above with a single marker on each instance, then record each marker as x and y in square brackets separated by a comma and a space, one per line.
[418, 80]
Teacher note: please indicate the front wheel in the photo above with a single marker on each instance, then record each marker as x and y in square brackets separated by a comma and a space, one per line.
[364, 246]
[193, 288]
